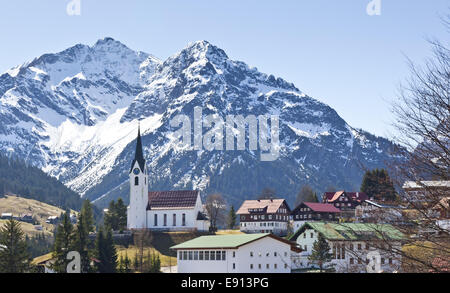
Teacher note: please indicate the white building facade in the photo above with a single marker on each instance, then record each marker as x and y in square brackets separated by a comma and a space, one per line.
[264, 216]
[239, 253]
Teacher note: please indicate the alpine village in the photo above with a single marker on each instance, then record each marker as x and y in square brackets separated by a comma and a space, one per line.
[372, 230]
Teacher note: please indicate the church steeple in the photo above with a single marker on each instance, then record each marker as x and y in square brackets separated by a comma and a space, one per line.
[139, 154]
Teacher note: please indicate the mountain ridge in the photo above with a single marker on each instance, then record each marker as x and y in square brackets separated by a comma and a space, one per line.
[82, 129]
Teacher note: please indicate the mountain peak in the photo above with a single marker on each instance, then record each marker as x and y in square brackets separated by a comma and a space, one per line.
[204, 49]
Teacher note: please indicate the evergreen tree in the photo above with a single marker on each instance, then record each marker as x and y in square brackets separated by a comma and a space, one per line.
[321, 252]
[88, 215]
[121, 264]
[106, 252]
[116, 217]
[136, 262]
[14, 257]
[64, 243]
[378, 184]
[121, 209]
[127, 263]
[231, 218]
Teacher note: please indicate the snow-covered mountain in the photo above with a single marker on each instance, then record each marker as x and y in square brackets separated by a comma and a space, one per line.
[75, 115]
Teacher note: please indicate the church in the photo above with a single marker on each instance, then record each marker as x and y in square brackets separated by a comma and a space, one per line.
[161, 210]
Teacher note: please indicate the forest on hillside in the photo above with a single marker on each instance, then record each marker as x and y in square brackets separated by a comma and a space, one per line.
[18, 178]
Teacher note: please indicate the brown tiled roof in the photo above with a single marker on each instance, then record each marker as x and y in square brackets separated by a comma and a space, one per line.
[272, 205]
[333, 196]
[172, 199]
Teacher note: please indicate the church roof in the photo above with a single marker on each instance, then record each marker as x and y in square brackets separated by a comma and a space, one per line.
[181, 199]
[139, 154]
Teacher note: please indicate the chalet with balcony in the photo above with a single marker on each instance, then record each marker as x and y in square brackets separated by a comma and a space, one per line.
[264, 216]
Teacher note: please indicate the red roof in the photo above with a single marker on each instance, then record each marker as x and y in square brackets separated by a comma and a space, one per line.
[172, 199]
[322, 207]
[355, 196]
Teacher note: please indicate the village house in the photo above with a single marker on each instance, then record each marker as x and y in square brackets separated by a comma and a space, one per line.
[345, 201]
[264, 216]
[373, 212]
[237, 253]
[311, 211]
[161, 210]
[351, 245]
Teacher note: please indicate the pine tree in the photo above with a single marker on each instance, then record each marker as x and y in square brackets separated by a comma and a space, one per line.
[64, 243]
[127, 263]
[136, 262]
[14, 257]
[106, 252]
[121, 264]
[378, 184]
[121, 210]
[88, 215]
[321, 252]
[231, 218]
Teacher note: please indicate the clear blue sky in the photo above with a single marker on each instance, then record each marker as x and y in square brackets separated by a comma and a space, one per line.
[332, 50]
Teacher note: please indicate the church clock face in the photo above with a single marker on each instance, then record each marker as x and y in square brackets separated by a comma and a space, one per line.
[136, 171]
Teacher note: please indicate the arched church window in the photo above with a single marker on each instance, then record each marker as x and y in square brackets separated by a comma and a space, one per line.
[136, 180]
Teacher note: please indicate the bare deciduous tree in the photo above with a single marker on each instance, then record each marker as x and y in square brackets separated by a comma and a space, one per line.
[423, 122]
[216, 208]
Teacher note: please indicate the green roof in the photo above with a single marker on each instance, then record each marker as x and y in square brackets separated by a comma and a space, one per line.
[352, 231]
[220, 241]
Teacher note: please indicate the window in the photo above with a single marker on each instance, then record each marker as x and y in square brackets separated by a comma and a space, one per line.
[275, 254]
[234, 253]
[267, 266]
[195, 255]
[136, 180]
[285, 253]
[312, 235]
[206, 255]
[180, 255]
[212, 255]
[251, 266]
[306, 247]
[156, 220]
[234, 266]
[304, 235]
[352, 261]
[390, 261]
[165, 219]
[174, 219]
[223, 255]
[359, 246]
[251, 253]
[183, 220]
[367, 246]
[351, 247]
[259, 266]
[382, 261]
[275, 266]
[218, 255]
[185, 255]
[285, 266]
[200, 256]
[190, 255]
